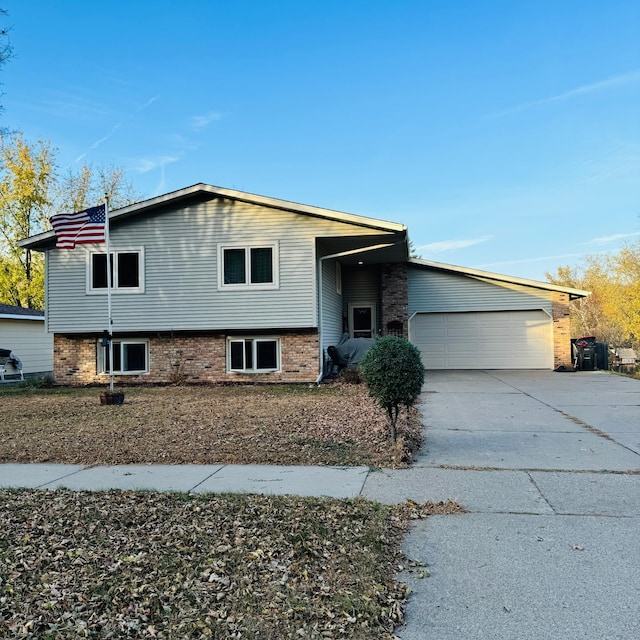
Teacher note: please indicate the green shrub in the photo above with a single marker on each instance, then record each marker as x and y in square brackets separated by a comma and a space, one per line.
[393, 372]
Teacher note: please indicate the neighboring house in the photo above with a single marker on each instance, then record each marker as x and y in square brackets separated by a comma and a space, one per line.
[22, 332]
[217, 285]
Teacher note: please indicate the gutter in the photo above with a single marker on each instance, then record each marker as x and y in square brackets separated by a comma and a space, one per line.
[12, 316]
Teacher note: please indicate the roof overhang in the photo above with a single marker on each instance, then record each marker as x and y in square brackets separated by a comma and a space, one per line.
[16, 316]
[14, 312]
[204, 192]
[488, 275]
[383, 253]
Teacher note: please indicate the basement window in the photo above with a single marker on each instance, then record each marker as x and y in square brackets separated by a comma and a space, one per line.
[129, 357]
[253, 355]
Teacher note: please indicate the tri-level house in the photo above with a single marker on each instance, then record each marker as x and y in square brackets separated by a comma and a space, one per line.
[217, 285]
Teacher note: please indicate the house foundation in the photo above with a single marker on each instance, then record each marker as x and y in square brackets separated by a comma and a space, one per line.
[185, 358]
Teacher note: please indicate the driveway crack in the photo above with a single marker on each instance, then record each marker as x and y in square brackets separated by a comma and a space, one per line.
[586, 426]
[535, 484]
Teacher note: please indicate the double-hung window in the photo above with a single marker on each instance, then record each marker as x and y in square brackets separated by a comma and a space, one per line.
[253, 355]
[243, 266]
[129, 357]
[126, 267]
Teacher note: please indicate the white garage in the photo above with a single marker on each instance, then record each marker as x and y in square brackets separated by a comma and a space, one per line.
[484, 339]
[463, 318]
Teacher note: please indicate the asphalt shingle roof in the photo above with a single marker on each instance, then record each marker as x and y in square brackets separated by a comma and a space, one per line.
[8, 309]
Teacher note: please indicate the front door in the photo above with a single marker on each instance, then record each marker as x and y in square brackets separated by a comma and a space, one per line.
[362, 320]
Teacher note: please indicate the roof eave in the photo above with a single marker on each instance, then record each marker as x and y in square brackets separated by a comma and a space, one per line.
[451, 268]
[296, 207]
[40, 241]
[45, 239]
[16, 316]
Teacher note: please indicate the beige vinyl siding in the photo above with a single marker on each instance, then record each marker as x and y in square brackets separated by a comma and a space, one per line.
[181, 279]
[435, 291]
[29, 341]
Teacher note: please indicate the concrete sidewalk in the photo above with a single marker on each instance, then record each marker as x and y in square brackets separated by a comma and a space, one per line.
[334, 482]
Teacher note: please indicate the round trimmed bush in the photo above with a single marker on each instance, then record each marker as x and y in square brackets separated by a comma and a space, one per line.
[392, 370]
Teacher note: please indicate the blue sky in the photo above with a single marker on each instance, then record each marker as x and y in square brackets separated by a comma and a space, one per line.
[505, 135]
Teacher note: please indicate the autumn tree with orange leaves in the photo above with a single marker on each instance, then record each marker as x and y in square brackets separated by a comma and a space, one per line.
[612, 311]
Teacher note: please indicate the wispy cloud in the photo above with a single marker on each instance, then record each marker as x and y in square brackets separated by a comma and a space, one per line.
[198, 123]
[71, 104]
[98, 142]
[163, 179]
[451, 245]
[183, 142]
[143, 165]
[632, 77]
[115, 127]
[148, 103]
[528, 260]
[613, 238]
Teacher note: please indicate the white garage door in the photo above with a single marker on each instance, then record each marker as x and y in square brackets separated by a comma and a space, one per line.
[484, 340]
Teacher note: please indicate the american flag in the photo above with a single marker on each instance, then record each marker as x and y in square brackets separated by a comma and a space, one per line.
[84, 227]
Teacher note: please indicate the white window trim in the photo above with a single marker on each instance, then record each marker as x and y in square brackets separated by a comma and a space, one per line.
[101, 360]
[114, 288]
[243, 339]
[247, 247]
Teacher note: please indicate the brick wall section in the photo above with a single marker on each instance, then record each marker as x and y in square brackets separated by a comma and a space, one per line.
[74, 360]
[395, 298]
[561, 329]
[187, 358]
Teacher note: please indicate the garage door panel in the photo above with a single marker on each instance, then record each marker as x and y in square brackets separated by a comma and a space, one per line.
[425, 334]
[484, 340]
[461, 333]
[438, 350]
[460, 348]
[457, 363]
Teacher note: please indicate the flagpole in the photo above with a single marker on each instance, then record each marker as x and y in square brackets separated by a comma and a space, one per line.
[109, 283]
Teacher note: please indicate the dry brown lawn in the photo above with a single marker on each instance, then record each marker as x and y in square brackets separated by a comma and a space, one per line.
[165, 565]
[328, 425]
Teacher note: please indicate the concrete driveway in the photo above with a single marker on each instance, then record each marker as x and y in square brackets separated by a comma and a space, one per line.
[547, 466]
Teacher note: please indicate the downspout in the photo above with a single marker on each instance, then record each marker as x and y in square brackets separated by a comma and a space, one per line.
[342, 254]
[320, 349]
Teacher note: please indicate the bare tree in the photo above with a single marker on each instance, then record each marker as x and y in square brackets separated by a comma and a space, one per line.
[6, 52]
[87, 187]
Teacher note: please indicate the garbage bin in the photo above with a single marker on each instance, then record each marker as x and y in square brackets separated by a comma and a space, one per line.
[602, 355]
[584, 353]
